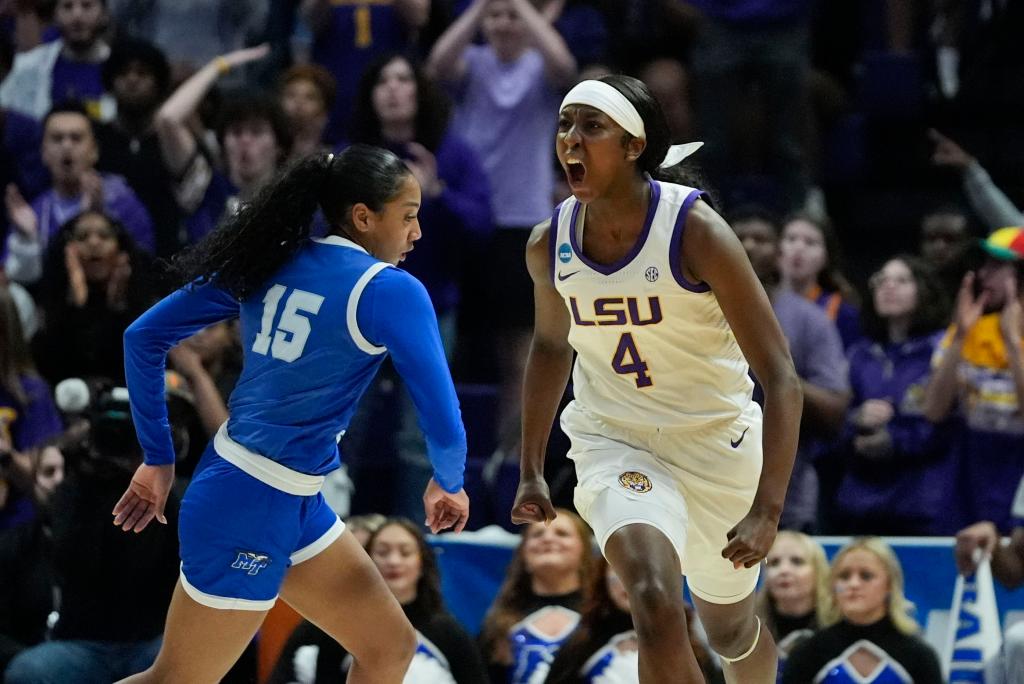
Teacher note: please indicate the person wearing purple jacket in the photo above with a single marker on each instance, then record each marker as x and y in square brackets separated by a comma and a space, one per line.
[897, 468]
[70, 152]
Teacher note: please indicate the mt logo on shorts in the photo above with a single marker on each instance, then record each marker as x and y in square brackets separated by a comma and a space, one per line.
[251, 562]
[637, 482]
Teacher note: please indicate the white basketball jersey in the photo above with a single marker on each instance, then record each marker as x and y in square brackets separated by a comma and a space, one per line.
[653, 349]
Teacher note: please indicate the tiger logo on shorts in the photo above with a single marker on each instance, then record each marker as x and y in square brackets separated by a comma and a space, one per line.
[636, 482]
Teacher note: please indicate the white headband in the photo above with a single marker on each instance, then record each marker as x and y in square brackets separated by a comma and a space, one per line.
[609, 100]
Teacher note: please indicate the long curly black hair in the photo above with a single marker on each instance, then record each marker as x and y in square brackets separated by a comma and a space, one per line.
[249, 247]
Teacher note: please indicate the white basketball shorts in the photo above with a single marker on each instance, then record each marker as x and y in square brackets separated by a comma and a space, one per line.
[692, 485]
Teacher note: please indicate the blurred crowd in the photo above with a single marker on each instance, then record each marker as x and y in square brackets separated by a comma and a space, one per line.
[870, 157]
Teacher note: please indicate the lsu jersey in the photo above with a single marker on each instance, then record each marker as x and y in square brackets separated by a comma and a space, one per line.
[653, 349]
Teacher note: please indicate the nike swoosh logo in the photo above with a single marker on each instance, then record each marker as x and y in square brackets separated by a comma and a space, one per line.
[567, 275]
[740, 440]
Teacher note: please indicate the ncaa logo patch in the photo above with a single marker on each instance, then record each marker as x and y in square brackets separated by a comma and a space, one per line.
[635, 482]
[564, 253]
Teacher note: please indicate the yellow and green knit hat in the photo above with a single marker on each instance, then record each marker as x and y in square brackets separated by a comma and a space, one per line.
[1006, 244]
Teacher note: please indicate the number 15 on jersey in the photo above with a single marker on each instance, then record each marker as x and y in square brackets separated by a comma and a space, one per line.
[287, 341]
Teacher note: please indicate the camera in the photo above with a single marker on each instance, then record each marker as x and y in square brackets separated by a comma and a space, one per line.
[110, 433]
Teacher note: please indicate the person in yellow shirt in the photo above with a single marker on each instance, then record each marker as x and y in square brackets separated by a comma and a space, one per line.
[979, 372]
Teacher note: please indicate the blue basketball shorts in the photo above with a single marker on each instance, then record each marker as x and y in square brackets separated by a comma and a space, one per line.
[239, 535]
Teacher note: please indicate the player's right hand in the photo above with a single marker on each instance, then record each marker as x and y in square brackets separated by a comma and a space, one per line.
[145, 497]
[980, 539]
[533, 502]
[444, 509]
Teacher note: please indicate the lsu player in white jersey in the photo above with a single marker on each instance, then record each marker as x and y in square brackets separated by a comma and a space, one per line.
[651, 288]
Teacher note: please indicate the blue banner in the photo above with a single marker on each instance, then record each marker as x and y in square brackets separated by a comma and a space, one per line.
[473, 567]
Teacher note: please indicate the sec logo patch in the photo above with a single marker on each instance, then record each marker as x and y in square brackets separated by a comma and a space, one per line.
[636, 482]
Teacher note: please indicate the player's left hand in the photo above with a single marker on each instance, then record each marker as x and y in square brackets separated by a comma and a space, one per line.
[145, 497]
[750, 539]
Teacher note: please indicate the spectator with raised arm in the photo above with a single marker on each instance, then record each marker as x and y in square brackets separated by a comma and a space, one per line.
[253, 133]
[506, 90]
[978, 373]
[987, 200]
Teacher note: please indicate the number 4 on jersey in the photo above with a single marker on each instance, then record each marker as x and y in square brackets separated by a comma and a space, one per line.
[289, 339]
[627, 361]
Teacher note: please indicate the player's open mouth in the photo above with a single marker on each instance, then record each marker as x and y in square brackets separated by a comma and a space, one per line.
[575, 171]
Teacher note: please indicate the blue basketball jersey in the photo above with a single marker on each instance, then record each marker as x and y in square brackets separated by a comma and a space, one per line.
[534, 643]
[617, 662]
[313, 338]
[842, 671]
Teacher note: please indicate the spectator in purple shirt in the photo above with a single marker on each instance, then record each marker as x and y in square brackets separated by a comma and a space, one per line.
[66, 69]
[27, 416]
[70, 153]
[818, 356]
[898, 472]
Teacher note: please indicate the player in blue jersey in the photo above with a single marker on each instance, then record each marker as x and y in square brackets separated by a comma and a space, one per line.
[678, 471]
[317, 318]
